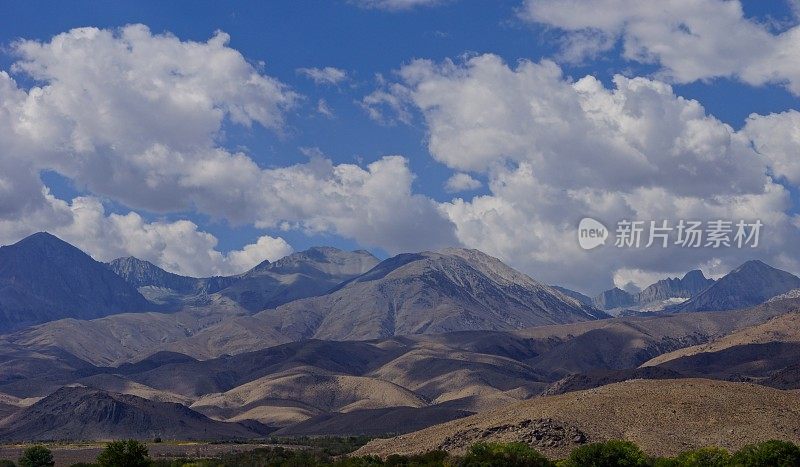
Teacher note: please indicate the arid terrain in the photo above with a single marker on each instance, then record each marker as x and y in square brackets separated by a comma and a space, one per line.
[663, 417]
[396, 346]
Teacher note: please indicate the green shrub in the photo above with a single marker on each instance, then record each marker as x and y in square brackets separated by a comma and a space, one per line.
[273, 457]
[7, 463]
[366, 461]
[703, 457]
[185, 463]
[129, 453]
[772, 453]
[613, 453]
[329, 445]
[36, 456]
[429, 459]
[503, 455]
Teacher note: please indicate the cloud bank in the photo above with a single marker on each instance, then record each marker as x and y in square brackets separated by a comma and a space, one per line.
[690, 40]
[555, 150]
[135, 117]
[137, 121]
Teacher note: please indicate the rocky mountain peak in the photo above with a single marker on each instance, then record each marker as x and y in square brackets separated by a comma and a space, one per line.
[43, 278]
[749, 284]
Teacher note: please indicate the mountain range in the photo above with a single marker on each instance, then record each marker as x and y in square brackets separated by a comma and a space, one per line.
[691, 284]
[429, 292]
[298, 275]
[327, 341]
[304, 274]
[751, 283]
[166, 288]
[326, 293]
[655, 297]
[295, 385]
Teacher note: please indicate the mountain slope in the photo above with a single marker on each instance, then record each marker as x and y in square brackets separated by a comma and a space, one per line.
[691, 284]
[140, 273]
[303, 274]
[655, 297]
[614, 298]
[752, 283]
[754, 353]
[327, 382]
[286, 384]
[623, 343]
[586, 300]
[373, 422]
[690, 414]
[426, 293]
[129, 337]
[307, 389]
[43, 278]
[161, 286]
[81, 413]
[299, 275]
[782, 328]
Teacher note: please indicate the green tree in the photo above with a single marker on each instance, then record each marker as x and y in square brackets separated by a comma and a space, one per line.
[36, 456]
[129, 453]
[615, 453]
[771, 453]
[503, 455]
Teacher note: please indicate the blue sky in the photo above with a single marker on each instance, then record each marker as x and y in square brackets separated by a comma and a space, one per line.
[365, 42]
[288, 35]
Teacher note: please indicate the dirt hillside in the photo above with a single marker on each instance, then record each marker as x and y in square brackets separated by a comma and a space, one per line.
[663, 417]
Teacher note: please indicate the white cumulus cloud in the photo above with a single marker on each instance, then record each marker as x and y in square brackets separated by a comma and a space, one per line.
[461, 182]
[179, 246]
[777, 138]
[555, 150]
[326, 75]
[690, 40]
[136, 118]
[397, 5]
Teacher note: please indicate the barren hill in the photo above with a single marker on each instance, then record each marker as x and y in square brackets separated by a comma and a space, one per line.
[373, 422]
[663, 417]
[80, 413]
[782, 328]
[333, 383]
[310, 389]
[756, 353]
[466, 370]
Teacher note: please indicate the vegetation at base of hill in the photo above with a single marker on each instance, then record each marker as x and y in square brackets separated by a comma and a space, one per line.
[330, 445]
[124, 453]
[36, 456]
[610, 453]
[615, 453]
